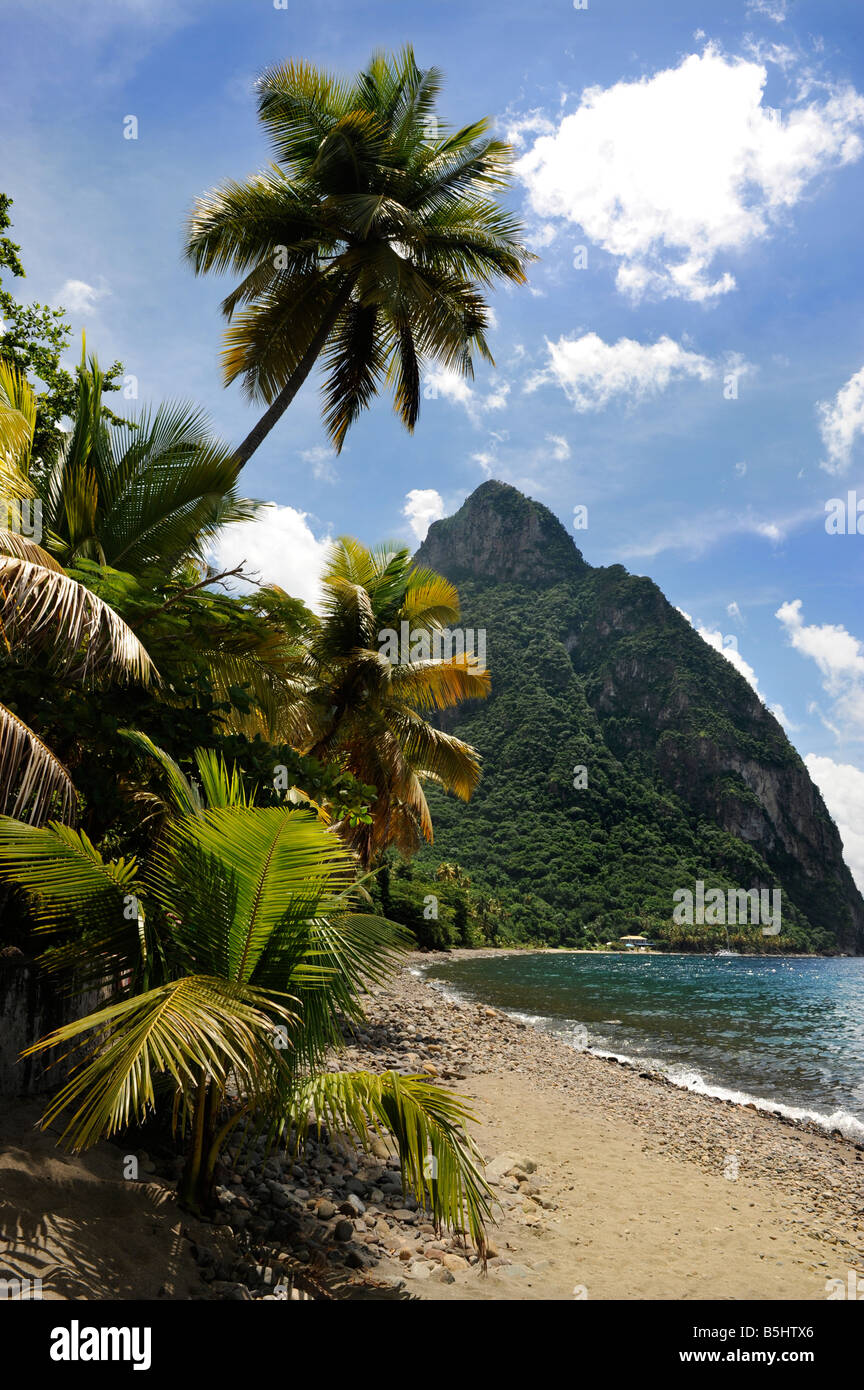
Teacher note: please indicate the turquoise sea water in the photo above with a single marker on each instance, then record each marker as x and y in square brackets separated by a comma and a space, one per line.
[785, 1032]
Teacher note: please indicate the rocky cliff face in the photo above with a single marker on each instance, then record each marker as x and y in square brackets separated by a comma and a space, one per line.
[499, 534]
[594, 667]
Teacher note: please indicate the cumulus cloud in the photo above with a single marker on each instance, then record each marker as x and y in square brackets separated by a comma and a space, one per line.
[839, 655]
[674, 171]
[279, 547]
[727, 647]
[842, 788]
[423, 505]
[453, 387]
[842, 423]
[591, 373]
[79, 297]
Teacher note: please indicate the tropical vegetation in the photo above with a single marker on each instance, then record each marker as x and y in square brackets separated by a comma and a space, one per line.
[228, 958]
[202, 843]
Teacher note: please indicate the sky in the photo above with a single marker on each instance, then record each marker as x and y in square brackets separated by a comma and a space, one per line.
[686, 362]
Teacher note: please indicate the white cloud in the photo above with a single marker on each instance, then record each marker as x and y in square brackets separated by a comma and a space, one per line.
[560, 447]
[423, 505]
[715, 638]
[673, 171]
[279, 547]
[534, 123]
[741, 469]
[592, 373]
[486, 461]
[840, 658]
[79, 297]
[781, 716]
[734, 611]
[441, 381]
[842, 422]
[842, 787]
[321, 460]
[771, 9]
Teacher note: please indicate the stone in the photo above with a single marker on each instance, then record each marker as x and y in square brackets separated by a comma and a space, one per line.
[352, 1206]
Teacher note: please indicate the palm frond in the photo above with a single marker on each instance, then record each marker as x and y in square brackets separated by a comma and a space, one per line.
[438, 1160]
[34, 784]
[275, 865]
[17, 424]
[185, 798]
[46, 611]
[188, 1029]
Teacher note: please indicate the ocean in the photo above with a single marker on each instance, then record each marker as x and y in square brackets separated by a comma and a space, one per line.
[785, 1033]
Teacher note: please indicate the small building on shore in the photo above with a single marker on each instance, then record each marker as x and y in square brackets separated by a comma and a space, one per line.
[635, 943]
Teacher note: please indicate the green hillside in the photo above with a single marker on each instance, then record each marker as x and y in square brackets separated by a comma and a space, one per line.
[689, 777]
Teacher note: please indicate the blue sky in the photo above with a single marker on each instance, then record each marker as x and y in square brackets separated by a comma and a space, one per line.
[687, 361]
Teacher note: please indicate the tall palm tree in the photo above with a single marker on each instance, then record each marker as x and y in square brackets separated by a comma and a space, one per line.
[242, 949]
[48, 617]
[362, 708]
[368, 243]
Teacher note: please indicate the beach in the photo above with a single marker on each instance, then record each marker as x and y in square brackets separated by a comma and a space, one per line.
[610, 1184]
[632, 1196]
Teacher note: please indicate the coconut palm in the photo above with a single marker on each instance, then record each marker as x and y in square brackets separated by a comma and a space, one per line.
[146, 497]
[45, 617]
[150, 491]
[237, 947]
[368, 244]
[366, 710]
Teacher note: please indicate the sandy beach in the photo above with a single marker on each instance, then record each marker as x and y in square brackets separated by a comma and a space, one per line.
[632, 1199]
[611, 1184]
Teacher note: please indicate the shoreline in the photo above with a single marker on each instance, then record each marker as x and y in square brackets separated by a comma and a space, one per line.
[798, 1116]
[635, 1177]
[610, 1183]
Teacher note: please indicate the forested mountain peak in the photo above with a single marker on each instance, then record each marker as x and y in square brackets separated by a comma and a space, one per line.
[499, 534]
[686, 775]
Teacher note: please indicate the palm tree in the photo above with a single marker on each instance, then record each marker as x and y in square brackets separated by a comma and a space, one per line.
[150, 491]
[368, 243]
[146, 497]
[45, 615]
[363, 709]
[242, 948]
[452, 873]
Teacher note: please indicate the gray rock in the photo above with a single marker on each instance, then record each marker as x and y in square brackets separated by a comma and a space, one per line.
[352, 1206]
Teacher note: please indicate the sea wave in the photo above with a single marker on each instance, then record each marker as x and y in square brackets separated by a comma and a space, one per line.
[574, 1034]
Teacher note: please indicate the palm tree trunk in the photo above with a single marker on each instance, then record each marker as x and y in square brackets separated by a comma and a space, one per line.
[189, 1182]
[274, 412]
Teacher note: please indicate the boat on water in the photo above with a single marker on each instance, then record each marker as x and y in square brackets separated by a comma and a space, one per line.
[727, 951]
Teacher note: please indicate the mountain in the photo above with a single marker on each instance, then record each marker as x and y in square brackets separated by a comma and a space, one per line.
[687, 776]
